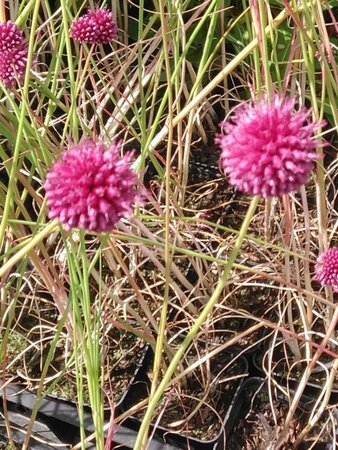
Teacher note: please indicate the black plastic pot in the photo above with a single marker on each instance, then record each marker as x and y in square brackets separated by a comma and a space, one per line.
[42, 438]
[58, 417]
[245, 407]
[143, 355]
[183, 441]
[58, 423]
[312, 388]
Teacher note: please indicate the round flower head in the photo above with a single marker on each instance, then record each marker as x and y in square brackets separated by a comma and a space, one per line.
[13, 65]
[13, 54]
[91, 187]
[95, 27]
[11, 36]
[326, 268]
[267, 147]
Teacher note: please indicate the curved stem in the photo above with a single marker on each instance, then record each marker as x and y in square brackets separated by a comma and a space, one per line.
[28, 247]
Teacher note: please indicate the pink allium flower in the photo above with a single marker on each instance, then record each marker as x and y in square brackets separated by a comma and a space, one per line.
[95, 27]
[267, 148]
[13, 54]
[90, 187]
[11, 37]
[326, 268]
[13, 65]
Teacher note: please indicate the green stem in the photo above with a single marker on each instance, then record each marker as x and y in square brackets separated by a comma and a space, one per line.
[264, 49]
[197, 325]
[91, 346]
[73, 113]
[28, 247]
[167, 254]
[23, 112]
[230, 67]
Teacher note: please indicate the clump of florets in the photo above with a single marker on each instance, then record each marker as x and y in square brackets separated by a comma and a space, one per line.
[13, 54]
[12, 65]
[326, 268]
[11, 36]
[268, 148]
[95, 27]
[91, 187]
